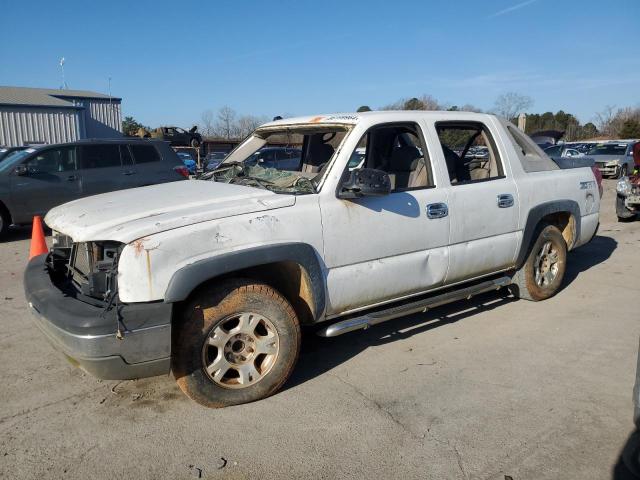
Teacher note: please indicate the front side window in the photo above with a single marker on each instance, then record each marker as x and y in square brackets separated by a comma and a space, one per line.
[53, 161]
[99, 156]
[469, 152]
[396, 149]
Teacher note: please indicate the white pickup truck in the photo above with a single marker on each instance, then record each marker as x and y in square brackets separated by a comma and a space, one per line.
[385, 215]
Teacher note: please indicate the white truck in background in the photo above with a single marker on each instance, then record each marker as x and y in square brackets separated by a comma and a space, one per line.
[212, 279]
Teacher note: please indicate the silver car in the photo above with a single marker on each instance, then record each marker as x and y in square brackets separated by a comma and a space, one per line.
[614, 158]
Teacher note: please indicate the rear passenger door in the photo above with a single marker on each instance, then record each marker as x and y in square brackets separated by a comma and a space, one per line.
[101, 169]
[483, 201]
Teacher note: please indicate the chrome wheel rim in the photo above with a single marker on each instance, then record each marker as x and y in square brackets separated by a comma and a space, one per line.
[546, 265]
[240, 350]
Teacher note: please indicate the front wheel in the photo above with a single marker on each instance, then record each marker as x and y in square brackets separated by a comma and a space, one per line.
[541, 275]
[195, 143]
[237, 342]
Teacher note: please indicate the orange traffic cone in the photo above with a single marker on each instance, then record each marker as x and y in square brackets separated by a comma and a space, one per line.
[38, 243]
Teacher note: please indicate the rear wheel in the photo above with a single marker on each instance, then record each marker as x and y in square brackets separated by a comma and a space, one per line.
[237, 342]
[541, 275]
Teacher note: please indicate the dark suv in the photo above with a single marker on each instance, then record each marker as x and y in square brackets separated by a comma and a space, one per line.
[36, 179]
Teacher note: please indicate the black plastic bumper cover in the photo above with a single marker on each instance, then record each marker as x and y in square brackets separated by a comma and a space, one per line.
[86, 334]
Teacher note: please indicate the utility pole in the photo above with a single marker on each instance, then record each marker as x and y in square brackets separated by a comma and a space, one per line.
[522, 121]
[64, 83]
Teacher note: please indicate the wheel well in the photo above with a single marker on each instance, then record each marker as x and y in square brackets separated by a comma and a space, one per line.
[566, 223]
[287, 277]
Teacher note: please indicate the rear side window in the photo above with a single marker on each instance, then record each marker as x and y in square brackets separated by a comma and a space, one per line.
[145, 153]
[99, 156]
[469, 151]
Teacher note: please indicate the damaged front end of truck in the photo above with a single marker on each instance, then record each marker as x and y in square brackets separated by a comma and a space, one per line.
[628, 197]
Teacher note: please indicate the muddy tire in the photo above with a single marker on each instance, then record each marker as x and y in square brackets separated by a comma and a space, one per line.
[541, 275]
[235, 343]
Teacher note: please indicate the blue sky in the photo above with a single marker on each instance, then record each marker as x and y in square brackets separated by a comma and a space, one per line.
[170, 61]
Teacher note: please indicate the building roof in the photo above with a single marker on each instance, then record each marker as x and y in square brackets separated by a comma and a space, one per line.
[46, 97]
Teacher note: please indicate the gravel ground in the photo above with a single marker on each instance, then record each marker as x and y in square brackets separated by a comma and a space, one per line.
[486, 389]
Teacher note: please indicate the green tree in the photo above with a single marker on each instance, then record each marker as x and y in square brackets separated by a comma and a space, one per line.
[630, 129]
[413, 104]
[130, 126]
[588, 130]
[364, 108]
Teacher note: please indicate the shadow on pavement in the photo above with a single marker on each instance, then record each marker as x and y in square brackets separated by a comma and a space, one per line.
[320, 355]
[588, 256]
[630, 452]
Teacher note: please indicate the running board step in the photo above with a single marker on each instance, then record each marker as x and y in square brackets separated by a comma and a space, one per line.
[374, 318]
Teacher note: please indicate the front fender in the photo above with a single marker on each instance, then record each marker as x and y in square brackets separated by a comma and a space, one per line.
[185, 280]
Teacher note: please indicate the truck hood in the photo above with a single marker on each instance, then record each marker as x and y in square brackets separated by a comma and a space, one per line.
[127, 215]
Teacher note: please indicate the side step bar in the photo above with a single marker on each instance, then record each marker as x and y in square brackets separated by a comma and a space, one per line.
[373, 318]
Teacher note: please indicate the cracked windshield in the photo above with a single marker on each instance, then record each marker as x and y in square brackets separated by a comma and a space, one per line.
[289, 160]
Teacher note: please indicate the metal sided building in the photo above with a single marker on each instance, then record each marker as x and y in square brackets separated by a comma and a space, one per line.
[42, 115]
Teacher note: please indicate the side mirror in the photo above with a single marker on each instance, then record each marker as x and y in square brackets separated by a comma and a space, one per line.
[366, 182]
[21, 170]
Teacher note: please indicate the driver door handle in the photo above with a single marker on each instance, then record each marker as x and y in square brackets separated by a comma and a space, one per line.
[437, 210]
[505, 200]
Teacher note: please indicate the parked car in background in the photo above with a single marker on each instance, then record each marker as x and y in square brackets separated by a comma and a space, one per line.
[188, 161]
[36, 179]
[178, 137]
[582, 147]
[613, 158]
[5, 151]
[563, 151]
[628, 190]
[213, 159]
[282, 158]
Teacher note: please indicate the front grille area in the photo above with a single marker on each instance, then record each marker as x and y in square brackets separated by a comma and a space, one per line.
[80, 263]
[91, 267]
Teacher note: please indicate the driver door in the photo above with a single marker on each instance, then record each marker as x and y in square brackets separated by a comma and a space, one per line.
[378, 249]
[51, 179]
